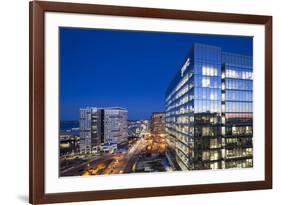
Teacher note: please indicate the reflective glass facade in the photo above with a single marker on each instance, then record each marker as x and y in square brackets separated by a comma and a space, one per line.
[209, 110]
[237, 107]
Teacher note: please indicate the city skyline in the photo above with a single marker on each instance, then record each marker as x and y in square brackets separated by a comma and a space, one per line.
[198, 95]
[88, 79]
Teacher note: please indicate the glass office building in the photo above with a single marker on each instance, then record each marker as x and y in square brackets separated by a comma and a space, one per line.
[209, 110]
[99, 126]
[115, 125]
[90, 129]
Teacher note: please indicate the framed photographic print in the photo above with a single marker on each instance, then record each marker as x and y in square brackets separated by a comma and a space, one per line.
[139, 102]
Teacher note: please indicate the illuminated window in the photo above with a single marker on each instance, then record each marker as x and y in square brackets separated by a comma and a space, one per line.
[232, 74]
[214, 143]
[223, 152]
[241, 130]
[213, 120]
[223, 86]
[214, 165]
[239, 74]
[234, 130]
[214, 155]
[223, 108]
[223, 130]
[249, 130]
[206, 131]
[223, 97]
[223, 75]
[249, 151]
[210, 71]
[205, 155]
[181, 110]
[206, 82]
[213, 96]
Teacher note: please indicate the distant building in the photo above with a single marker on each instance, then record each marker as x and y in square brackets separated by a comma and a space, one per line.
[158, 123]
[91, 129]
[138, 128]
[115, 125]
[108, 148]
[209, 110]
[68, 142]
[102, 125]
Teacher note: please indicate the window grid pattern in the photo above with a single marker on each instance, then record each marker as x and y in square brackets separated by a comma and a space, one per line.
[209, 110]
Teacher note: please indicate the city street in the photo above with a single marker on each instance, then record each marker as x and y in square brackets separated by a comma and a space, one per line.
[147, 148]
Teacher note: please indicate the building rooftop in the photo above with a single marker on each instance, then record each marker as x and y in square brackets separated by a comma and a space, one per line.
[105, 108]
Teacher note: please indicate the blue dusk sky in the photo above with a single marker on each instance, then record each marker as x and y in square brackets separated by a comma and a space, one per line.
[130, 69]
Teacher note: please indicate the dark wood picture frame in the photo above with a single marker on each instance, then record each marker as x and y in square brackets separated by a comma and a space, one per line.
[37, 193]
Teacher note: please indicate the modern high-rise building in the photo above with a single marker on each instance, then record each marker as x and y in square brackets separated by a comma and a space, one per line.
[91, 129]
[115, 125]
[158, 123]
[209, 114]
[102, 126]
